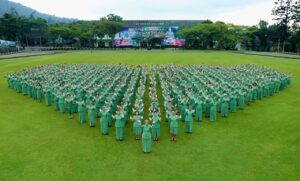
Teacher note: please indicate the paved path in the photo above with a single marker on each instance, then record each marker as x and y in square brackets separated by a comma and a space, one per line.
[262, 55]
[33, 55]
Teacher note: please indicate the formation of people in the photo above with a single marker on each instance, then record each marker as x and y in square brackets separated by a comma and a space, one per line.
[116, 93]
[193, 92]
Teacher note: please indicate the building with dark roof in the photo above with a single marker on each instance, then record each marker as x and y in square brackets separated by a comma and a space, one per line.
[179, 23]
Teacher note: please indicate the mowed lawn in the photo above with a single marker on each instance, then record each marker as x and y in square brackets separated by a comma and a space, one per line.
[261, 142]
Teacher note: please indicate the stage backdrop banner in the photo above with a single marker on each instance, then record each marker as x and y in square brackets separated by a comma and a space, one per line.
[130, 36]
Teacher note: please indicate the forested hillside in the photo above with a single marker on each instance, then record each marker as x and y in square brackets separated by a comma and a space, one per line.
[7, 6]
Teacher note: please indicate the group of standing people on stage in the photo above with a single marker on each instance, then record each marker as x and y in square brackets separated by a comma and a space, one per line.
[114, 92]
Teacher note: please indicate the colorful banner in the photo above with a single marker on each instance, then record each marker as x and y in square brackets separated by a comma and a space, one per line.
[130, 36]
[173, 42]
[7, 44]
[124, 43]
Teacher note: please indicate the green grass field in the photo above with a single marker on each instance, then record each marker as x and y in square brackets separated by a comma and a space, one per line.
[261, 142]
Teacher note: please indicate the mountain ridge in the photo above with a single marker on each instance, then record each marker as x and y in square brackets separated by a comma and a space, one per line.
[6, 6]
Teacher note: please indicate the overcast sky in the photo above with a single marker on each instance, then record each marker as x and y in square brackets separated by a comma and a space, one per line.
[243, 12]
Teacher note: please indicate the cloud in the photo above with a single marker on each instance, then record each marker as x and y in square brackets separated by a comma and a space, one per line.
[249, 15]
[224, 10]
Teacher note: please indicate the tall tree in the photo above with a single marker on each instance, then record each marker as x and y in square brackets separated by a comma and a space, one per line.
[10, 26]
[113, 17]
[283, 11]
[296, 11]
[110, 25]
[295, 38]
[263, 36]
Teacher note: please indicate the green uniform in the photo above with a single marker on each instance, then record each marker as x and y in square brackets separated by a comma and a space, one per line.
[47, 96]
[189, 121]
[104, 121]
[207, 108]
[259, 93]
[241, 100]
[137, 125]
[198, 111]
[38, 93]
[213, 113]
[119, 127]
[98, 105]
[146, 138]
[81, 106]
[156, 126]
[224, 108]
[56, 104]
[109, 114]
[24, 89]
[29, 90]
[91, 115]
[69, 105]
[61, 103]
[174, 124]
[233, 104]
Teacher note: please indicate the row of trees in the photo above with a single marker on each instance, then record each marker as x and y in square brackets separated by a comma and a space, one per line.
[263, 37]
[17, 28]
[209, 35]
[284, 35]
[31, 31]
[84, 33]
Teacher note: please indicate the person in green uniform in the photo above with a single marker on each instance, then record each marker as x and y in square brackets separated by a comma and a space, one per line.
[39, 93]
[91, 114]
[104, 119]
[119, 125]
[55, 100]
[198, 110]
[33, 91]
[24, 88]
[109, 106]
[47, 95]
[259, 92]
[189, 119]
[61, 100]
[98, 104]
[233, 103]
[174, 125]
[137, 125]
[29, 89]
[248, 97]
[89, 98]
[74, 104]
[155, 119]
[146, 137]
[241, 100]
[207, 107]
[266, 90]
[183, 106]
[81, 111]
[69, 106]
[224, 107]
[213, 112]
